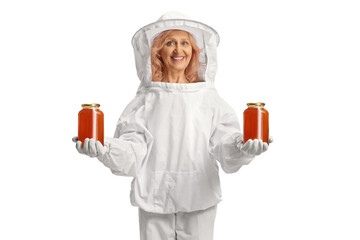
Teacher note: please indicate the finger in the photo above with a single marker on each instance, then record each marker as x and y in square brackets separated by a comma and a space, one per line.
[259, 147]
[255, 147]
[238, 140]
[265, 147]
[75, 139]
[92, 148]
[271, 139]
[86, 146]
[100, 148]
[79, 147]
[247, 145]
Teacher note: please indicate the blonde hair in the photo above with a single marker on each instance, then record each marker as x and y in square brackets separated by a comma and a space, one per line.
[157, 65]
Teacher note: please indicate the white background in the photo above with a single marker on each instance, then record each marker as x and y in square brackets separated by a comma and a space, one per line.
[299, 57]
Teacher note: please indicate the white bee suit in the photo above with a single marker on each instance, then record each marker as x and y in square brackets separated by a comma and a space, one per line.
[172, 136]
[171, 139]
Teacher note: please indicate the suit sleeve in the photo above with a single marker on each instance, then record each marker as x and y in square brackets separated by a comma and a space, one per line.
[225, 141]
[127, 150]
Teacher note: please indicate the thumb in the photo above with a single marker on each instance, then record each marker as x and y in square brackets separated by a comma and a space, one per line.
[75, 139]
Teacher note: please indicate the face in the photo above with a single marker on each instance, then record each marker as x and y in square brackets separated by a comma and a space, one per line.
[177, 51]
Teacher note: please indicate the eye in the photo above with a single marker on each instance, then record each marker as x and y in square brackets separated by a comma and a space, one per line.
[185, 43]
[170, 43]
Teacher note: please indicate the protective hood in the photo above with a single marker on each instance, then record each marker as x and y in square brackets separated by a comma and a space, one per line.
[206, 38]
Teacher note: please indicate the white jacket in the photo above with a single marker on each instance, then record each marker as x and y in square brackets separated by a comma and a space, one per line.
[172, 136]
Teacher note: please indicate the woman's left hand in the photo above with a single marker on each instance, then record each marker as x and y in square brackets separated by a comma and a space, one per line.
[255, 147]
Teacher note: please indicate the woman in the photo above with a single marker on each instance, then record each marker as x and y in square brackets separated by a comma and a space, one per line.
[172, 135]
[175, 57]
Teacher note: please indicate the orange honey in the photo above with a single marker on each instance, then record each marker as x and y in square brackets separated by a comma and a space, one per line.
[256, 122]
[91, 123]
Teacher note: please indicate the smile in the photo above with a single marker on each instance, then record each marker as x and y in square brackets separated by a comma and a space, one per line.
[177, 59]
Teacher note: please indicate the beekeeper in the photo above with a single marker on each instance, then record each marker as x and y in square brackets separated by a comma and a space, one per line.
[171, 137]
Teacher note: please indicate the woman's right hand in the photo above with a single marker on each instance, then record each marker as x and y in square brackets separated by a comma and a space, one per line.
[91, 147]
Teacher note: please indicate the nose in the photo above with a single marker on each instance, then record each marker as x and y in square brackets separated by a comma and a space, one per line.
[178, 48]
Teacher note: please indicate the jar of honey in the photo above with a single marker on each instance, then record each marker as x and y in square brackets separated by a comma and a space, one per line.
[256, 122]
[91, 123]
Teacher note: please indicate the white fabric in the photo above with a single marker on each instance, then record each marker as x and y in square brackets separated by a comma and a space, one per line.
[197, 225]
[172, 136]
[174, 15]
[206, 38]
[253, 147]
[170, 141]
[91, 147]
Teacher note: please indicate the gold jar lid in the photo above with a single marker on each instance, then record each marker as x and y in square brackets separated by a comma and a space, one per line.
[258, 104]
[90, 105]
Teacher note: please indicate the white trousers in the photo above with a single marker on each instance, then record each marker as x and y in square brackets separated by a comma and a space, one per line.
[197, 225]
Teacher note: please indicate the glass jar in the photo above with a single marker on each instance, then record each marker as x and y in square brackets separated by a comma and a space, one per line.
[91, 123]
[256, 122]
